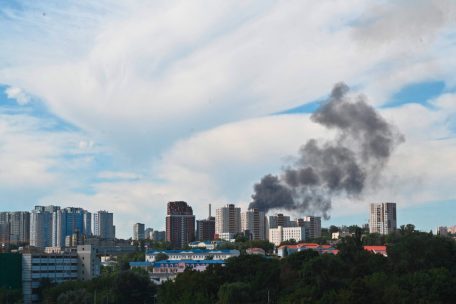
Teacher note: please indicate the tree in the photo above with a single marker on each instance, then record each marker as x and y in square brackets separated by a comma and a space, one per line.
[133, 287]
[333, 229]
[78, 296]
[232, 293]
[161, 257]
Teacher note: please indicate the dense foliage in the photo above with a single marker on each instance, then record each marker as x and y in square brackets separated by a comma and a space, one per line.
[420, 268]
[10, 295]
[123, 286]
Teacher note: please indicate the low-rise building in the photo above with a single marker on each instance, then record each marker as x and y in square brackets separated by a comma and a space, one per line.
[227, 236]
[441, 230]
[285, 250]
[340, 234]
[256, 251]
[282, 234]
[211, 245]
[162, 271]
[80, 263]
[377, 249]
[193, 254]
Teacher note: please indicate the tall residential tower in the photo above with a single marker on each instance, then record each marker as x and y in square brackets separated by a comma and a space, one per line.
[227, 221]
[180, 224]
[382, 218]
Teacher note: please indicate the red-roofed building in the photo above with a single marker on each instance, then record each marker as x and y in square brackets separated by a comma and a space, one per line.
[257, 251]
[329, 249]
[377, 249]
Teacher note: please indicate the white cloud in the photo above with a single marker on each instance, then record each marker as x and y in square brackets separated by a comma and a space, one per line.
[115, 175]
[180, 90]
[18, 94]
[167, 71]
[36, 160]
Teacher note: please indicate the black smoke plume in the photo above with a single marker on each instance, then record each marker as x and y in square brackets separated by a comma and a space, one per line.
[346, 165]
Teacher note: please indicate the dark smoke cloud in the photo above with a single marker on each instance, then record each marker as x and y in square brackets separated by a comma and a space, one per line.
[343, 166]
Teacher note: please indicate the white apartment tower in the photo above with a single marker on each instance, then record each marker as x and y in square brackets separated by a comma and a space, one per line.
[227, 221]
[382, 218]
[254, 221]
[41, 226]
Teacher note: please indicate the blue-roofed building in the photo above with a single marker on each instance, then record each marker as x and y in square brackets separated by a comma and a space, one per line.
[164, 270]
[192, 254]
[211, 245]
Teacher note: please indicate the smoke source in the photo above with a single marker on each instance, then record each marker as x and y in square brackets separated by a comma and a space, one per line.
[346, 165]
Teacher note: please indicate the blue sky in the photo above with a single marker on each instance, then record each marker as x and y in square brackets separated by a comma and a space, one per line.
[125, 106]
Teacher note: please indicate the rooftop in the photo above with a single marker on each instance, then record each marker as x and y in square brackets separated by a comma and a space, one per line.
[196, 251]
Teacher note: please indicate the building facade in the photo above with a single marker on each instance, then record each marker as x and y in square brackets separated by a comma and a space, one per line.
[4, 235]
[103, 224]
[192, 254]
[253, 221]
[382, 218]
[313, 226]
[227, 221]
[18, 224]
[180, 224]
[59, 266]
[148, 233]
[158, 236]
[41, 226]
[138, 232]
[282, 234]
[205, 229]
[67, 221]
[276, 220]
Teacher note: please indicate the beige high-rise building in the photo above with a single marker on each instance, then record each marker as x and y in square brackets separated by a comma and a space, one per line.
[254, 221]
[382, 218]
[227, 221]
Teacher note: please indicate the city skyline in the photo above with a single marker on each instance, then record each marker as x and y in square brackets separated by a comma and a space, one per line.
[120, 109]
[108, 221]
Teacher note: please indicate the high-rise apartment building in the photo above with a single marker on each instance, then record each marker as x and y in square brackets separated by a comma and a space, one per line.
[313, 226]
[67, 221]
[103, 223]
[41, 226]
[4, 234]
[158, 236]
[19, 226]
[138, 232]
[205, 229]
[180, 224]
[279, 219]
[227, 221]
[382, 218]
[254, 221]
[148, 233]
